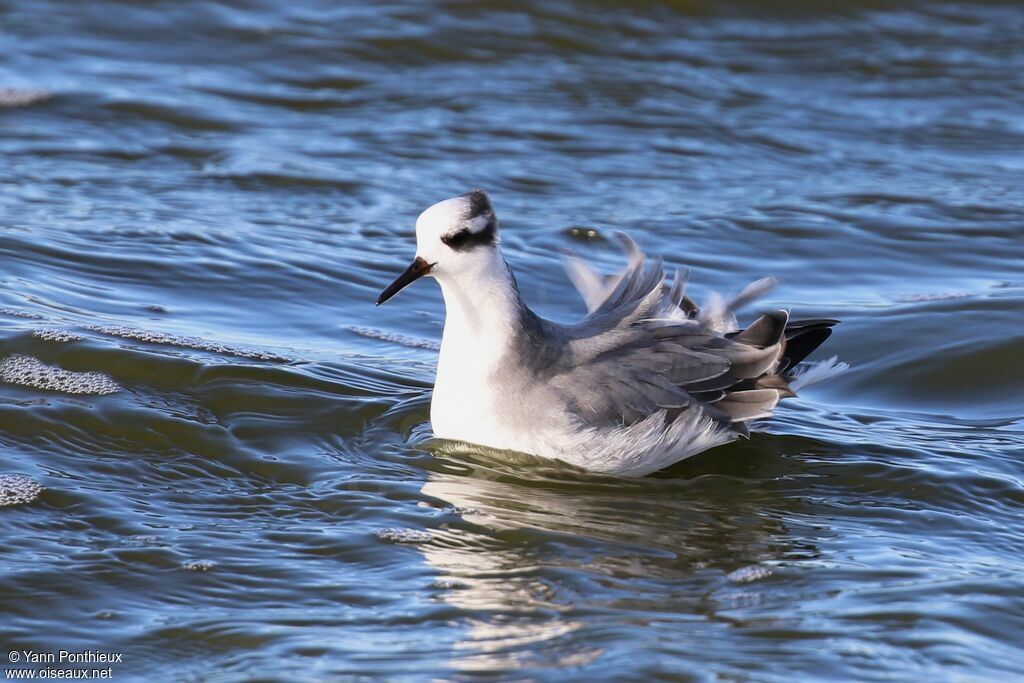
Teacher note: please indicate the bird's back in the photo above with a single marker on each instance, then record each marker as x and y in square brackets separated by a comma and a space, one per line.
[647, 379]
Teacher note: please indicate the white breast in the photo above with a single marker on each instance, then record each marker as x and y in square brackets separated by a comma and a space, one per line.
[463, 405]
[470, 401]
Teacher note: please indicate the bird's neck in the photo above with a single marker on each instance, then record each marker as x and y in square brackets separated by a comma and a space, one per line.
[482, 305]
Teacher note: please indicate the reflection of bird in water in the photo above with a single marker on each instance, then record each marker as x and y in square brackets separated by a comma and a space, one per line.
[550, 567]
[645, 380]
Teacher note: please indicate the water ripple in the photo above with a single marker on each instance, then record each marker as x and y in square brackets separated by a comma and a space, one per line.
[201, 201]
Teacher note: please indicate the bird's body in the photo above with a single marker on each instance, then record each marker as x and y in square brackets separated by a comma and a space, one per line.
[645, 380]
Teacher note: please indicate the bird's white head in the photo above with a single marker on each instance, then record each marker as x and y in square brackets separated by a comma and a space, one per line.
[457, 235]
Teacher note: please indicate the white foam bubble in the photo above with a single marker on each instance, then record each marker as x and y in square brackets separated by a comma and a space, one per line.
[61, 336]
[394, 535]
[918, 297]
[27, 371]
[16, 489]
[749, 574]
[15, 313]
[141, 540]
[151, 337]
[414, 342]
[198, 565]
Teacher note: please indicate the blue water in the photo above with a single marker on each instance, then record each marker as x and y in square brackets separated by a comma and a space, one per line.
[199, 203]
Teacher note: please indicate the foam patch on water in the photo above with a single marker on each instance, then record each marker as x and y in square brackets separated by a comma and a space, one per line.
[930, 296]
[61, 336]
[16, 489]
[141, 540]
[374, 333]
[749, 574]
[15, 313]
[198, 565]
[150, 337]
[394, 535]
[27, 371]
[22, 97]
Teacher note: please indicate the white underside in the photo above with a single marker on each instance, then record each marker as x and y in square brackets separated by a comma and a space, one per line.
[633, 450]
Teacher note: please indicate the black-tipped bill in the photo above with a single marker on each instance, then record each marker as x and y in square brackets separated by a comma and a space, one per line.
[415, 271]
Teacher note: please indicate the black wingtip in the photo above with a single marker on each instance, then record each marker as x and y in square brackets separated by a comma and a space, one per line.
[801, 345]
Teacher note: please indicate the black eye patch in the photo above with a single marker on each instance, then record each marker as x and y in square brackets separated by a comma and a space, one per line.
[465, 239]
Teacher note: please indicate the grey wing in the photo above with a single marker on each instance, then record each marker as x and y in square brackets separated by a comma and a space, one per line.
[645, 347]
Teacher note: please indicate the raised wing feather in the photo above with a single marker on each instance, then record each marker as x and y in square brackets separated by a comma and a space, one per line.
[642, 348]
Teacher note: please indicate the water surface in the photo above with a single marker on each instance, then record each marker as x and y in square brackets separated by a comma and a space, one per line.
[199, 203]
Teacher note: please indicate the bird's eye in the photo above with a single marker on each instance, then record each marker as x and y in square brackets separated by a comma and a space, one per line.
[457, 239]
[467, 238]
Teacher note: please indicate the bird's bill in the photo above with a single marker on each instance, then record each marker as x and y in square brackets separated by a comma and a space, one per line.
[417, 269]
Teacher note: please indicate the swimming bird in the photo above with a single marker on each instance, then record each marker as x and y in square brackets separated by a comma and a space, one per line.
[645, 380]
